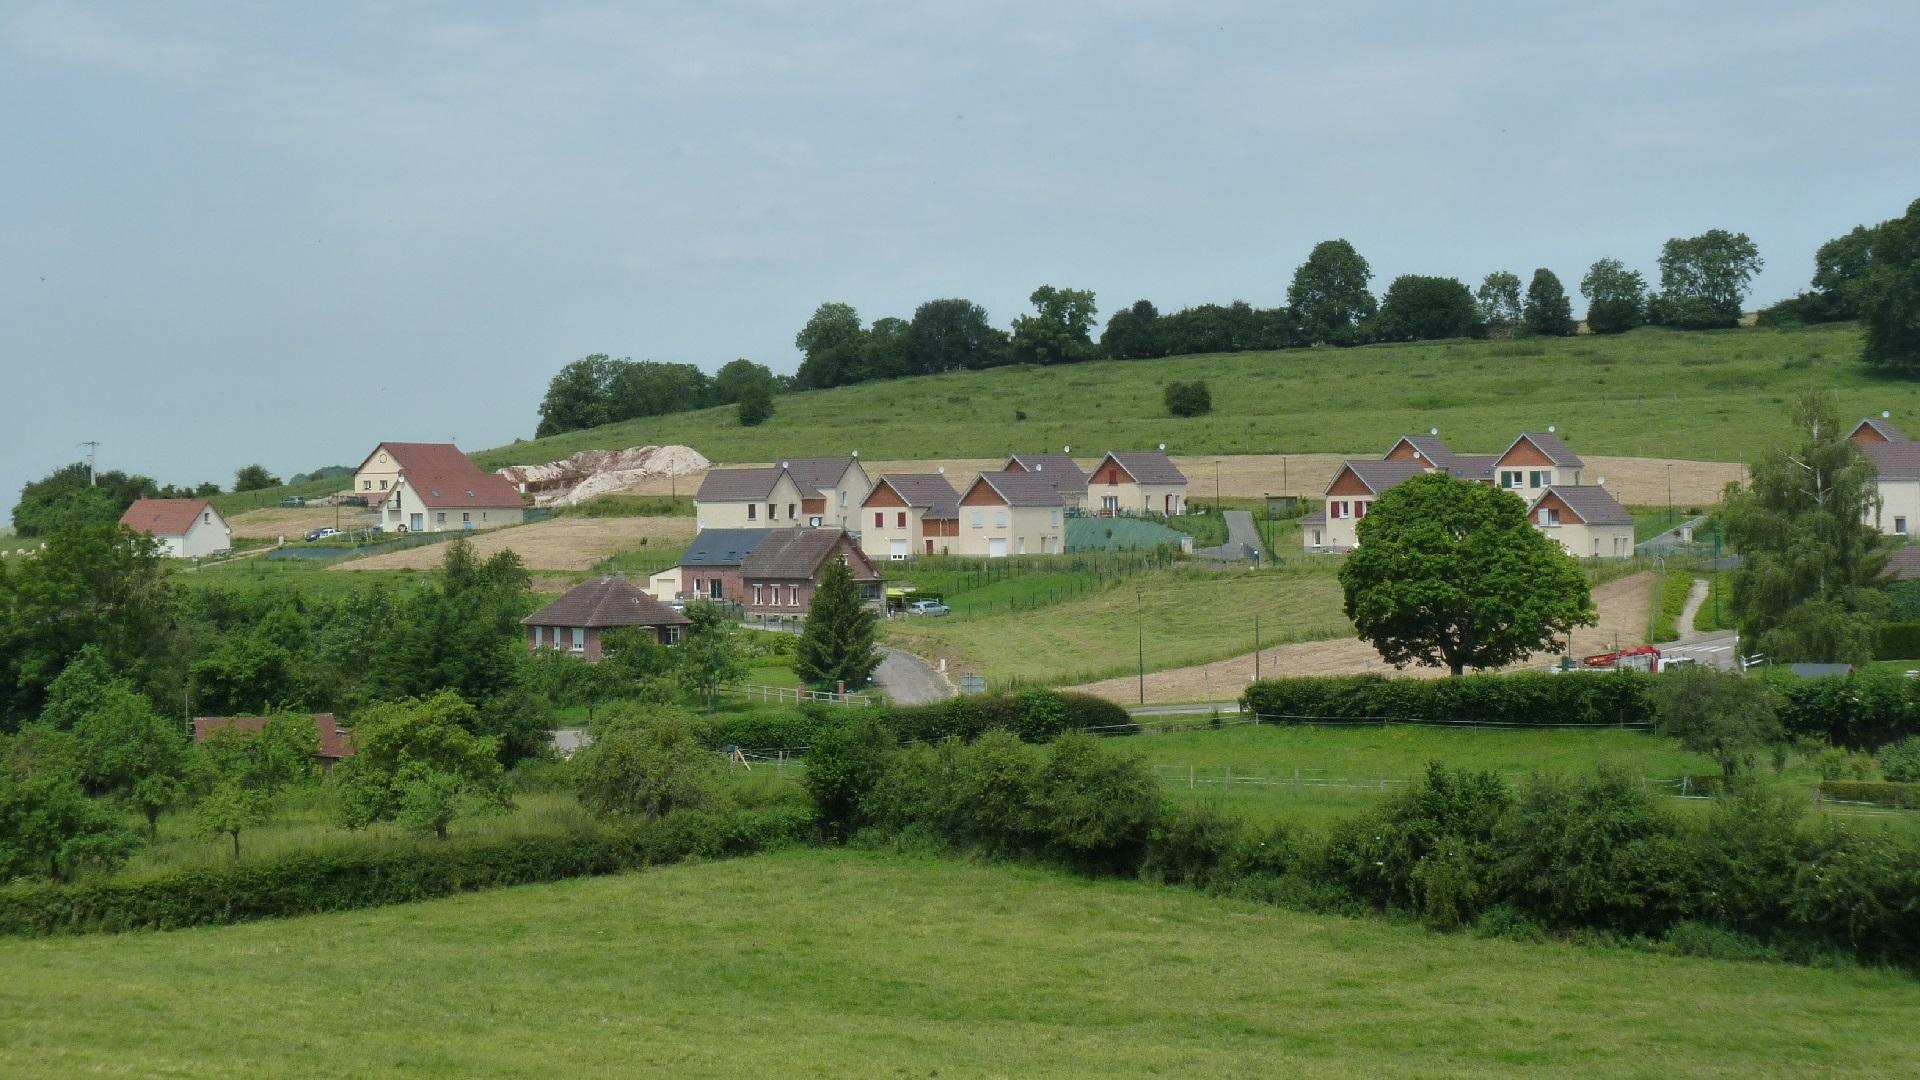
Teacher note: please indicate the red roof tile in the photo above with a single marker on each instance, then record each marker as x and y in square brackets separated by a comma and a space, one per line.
[164, 517]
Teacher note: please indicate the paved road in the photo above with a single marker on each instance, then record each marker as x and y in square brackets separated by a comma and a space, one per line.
[1669, 541]
[1242, 530]
[909, 680]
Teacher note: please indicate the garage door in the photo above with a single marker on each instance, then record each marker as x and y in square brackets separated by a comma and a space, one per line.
[897, 550]
[997, 549]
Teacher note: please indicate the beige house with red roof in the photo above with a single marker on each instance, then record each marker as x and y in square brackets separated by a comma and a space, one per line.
[434, 487]
[1585, 519]
[909, 514]
[1005, 513]
[1896, 463]
[185, 528]
[1535, 461]
[1136, 483]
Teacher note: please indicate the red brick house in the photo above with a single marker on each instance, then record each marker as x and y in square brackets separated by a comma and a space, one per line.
[576, 621]
[779, 577]
[334, 740]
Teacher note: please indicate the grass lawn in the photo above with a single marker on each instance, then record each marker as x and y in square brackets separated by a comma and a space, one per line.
[1651, 521]
[1189, 616]
[305, 574]
[835, 963]
[1717, 396]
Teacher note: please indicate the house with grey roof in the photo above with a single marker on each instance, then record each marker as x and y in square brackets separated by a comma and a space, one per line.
[909, 514]
[1352, 490]
[1136, 483]
[1585, 519]
[709, 569]
[754, 498]
[1065, 473]
[1896, 463]
[779, 576]
[831, 489]
[576, 622]
[1535, 461]
[1011, 513]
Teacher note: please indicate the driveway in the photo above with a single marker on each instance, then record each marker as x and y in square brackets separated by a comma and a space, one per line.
[909, 680]
[1243, 540]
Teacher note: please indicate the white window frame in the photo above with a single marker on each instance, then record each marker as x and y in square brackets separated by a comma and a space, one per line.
[539, 636]
[1510, 479]
[979, 518]
[579, 642]
[756, 597]
[1900, 525]
[793, 596]
[999, 519]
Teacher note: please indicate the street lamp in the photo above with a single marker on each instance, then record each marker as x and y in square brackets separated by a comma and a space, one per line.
[1669, 492]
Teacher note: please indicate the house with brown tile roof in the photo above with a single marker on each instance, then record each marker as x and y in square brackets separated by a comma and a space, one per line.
[184, 528]
[1011, 513]
[331, 741]
[1136, 483]
[576, 621]
[1585, 519]
[781, 574]
[909, 514]
[1067, 475]
[434, 487]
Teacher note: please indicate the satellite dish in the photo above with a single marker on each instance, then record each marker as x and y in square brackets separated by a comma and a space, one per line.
[1416, 455]
[856, 453]
[1163, 447]
[1603, 481]
[1549, 429]
[1433, 431]
[783, 464]
[1884, 414]
[1068, 449]
[942, 470]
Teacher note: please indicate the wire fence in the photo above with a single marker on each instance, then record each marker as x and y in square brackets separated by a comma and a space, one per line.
[781, 695]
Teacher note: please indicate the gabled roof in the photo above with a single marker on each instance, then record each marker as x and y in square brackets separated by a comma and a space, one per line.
[722, 547]
[738, 485]
[426, 458]
[1893, 460]
[799, 553]
[1549, 444]
[1065, 473]
[930, 491]
[605, 602]
[1429, 447]
[1472, 466]
[470, 488]
[1591, 503]
[815, 474]
[164, 517]
[1146, 466]
[1882, 427]
[333, 740]
[1378, 476]
[1020, 489]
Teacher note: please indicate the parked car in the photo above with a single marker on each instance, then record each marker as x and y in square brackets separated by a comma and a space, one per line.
[928, 607]
[321, 534]
[293, 500]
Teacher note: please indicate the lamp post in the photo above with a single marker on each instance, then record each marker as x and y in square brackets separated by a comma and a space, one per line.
[1669, 492]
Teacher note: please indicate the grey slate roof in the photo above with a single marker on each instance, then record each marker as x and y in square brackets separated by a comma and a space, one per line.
[1593, 504]
[1816, 671]
[1022, 489]
[797, 553]
[1318, 517]
[1430, 447]
[1148, 466]
[928, 490]
[1066, 474]
[1549, 444]
[722, 547]
[1904, 564]
[1381, 475]
[1472, 466]
[606, 601]
[816, 474]
[737, 485]
[1894, 460]
[1887, 429]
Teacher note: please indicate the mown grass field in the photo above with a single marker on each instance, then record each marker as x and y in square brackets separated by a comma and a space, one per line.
[1714, 396]
[836, 963]
[1186, 616]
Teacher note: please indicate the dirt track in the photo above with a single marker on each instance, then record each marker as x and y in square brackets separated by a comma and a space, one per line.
[1622, 608]
[567, 543]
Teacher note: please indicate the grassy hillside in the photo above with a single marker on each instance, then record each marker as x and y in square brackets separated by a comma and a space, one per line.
[1654, 393]
[834, 963]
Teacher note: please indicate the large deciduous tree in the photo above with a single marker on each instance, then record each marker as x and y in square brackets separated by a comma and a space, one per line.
[1887, 295]
[577, 397]
[831, 344]
[1548, 312]
[1704, 279]
[1130, 333]
[1803, 525]
[736, 377]
[1449, 573]
[837, 643]
[74, 493]
[1420, 308]
[1728, 717]
[253, 478]
[1329, 294]
[1616, 297]
[1061, 329]
[125, 749]
[1499, 301]
[417, 756]
[954, 335]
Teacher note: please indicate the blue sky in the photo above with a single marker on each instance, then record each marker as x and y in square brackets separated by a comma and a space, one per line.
[284, 233]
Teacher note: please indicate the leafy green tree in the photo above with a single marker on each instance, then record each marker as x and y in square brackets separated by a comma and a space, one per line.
[756, 406]
[1419, 308]
[736, 377]
[1887, 295]
[230, 809]
[1329, 293]
[655, 388]
[1130, 333]
[280, 755]
[1803, 525]
[1188, 398]
[838, 641]
[1616, 297]
[579, 396]
[710, 655]
[1900, 762]
[888, 352]
[1704, 279]
[1839, 267]
[1060, 331]
[954, 335]
[411, 753]
[1449, 573]
[831, 344]
[645, 763]
[1498, 299]
[1728, 717]
[70, 493]
[844, 763]
[49, 827]
[1548, 312]
[127, 750]
[253, 478]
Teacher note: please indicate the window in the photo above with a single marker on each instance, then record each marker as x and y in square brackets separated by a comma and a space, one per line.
[1509, 478]
[1539, 478]
[1316, 538]
[879, 519]
[673, 635]
[979, 518]
[579, 639]
[383, 485]
[813, 522]
[1899, 526]
[903, 519]
[790, 514]
[756, 596]
[1336, 510]
[206, 518]
[1000, 519]
[1359, 508]
[752, 511]
[440, 517]
[793, 596]
[467, 518]
[843, 500]
[699, 586]
[773, 512]
[539, 636]
[366, 485]
[1053, 517]
[1551, 517]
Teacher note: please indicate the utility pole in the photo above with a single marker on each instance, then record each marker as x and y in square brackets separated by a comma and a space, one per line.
[1669, 493]
[1256, 646]
[1140, 640]
[91, 447]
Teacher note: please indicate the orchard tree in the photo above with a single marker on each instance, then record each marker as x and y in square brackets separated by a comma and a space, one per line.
[409, 755]
[1499, 302]
[123, 748]
[1725, 716]
[830, 344]
[1887, 295]
[954, 335]
[709, 655]
[1804, 525]
[1548, 312]
[1329, 293]
[838, 641]
[49, 827]
[1704, 279]
[1449, 573]
[645, 763]
[1616, 297]
[230, 809]
[253, 478]
[1060, 331]
[1422, 308]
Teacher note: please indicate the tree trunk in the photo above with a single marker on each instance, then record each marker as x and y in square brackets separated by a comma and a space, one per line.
[236, 844]
[153, 823]
[440, 829]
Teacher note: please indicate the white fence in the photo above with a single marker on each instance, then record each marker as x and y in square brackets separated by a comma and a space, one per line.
[782, 695]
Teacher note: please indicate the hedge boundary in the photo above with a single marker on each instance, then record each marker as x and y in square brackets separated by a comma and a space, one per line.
[1879, 793]
[1525, 699]
[1033, 715]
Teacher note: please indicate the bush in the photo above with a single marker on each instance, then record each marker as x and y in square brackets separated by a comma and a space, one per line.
[844, 763]
[1035, 715]
[756, 406]
[1834, 763]
[1861, 711]
[1429, 849]
[1897, 641]
[1902, 796]
[1528, 698]
[1191, 846]
[1856, 892]
[646, 770]
[1748, 848]
[1098, 807]
[1189, 398]
[1900, 762]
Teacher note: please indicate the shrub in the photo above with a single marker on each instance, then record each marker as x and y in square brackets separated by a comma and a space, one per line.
[1748, 846]
[1098, 807]
[996, 795]
[1856, 891]
[1189, 398]
[1900, 762]
[843, 764]
[645, 770]
[1429, 849]
[1861, 711]
[1834, 763]
[1520, 699]
[756, 406]
[1716, 943]
[1897, 641]
[1191, 846]
[1903, 796]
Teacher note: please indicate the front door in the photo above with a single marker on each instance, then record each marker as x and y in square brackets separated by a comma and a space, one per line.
[713, 588]
[1110, 504]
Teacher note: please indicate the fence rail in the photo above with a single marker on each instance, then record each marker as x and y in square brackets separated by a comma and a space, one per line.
[784, 694]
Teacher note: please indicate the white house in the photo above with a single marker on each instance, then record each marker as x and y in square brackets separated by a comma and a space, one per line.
[1534, 462]
[185, 528]
[831, 489]
[1011, 513]
[1896, 461]
[434, 487]
[1348, 494]
[1585, 519]
[750, 499]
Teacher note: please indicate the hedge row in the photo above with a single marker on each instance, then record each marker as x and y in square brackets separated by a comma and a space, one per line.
[1862, 711]
[1524, 699]
[1901, 796]
[1898, 641]
[350, 877]
[1035, 716]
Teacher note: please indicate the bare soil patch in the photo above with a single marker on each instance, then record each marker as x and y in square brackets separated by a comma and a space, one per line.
[567, 543]
[295, 522]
